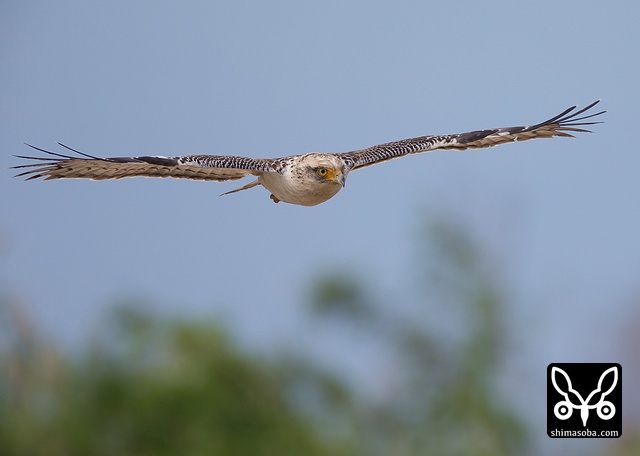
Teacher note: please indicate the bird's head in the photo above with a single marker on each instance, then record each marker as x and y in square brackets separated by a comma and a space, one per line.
[326, 169]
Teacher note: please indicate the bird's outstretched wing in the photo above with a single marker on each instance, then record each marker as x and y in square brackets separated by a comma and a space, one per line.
[561, 125]
[196, 167]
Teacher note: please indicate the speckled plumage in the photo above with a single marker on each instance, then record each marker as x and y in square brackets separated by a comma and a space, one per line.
[307, 179]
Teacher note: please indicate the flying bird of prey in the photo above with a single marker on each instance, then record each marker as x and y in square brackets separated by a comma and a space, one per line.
[307, 179]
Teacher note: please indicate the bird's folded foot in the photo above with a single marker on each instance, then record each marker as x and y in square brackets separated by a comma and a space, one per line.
[275, 200]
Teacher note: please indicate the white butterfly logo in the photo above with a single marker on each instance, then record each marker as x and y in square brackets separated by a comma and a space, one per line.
[564, 409]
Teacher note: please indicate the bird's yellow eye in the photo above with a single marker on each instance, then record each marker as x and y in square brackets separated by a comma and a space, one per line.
[322, 172]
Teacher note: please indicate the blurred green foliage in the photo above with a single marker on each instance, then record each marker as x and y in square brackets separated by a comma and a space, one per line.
[445, 400]
[161, 387]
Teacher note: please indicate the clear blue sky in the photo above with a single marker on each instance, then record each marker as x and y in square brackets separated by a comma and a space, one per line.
[268, 79]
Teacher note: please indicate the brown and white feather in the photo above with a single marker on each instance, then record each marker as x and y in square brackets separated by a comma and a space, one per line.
[560, 125]
[196, 167]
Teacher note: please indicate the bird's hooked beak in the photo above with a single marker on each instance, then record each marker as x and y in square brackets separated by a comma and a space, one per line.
[337, 176]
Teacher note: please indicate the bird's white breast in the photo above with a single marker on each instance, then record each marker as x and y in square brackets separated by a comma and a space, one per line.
[297, 184]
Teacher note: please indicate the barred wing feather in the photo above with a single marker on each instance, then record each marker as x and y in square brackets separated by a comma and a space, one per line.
[563, 124]
[196, 167]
